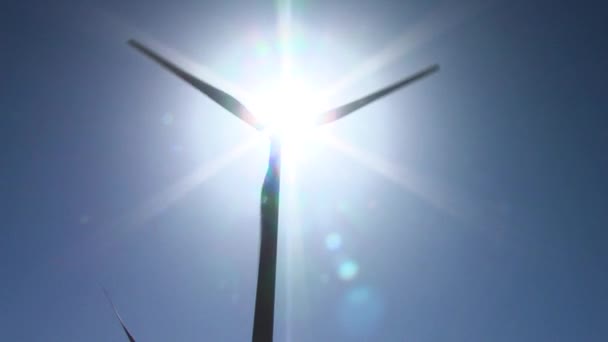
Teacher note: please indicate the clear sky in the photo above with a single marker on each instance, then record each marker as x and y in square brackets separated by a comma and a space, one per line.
[470, 206]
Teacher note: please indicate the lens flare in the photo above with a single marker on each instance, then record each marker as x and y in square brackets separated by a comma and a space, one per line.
[288, 109]
[167, 119]
[333, 241]
[361, 311]
[348, 270]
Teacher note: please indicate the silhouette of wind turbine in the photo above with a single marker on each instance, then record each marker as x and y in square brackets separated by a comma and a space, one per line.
[263, 321]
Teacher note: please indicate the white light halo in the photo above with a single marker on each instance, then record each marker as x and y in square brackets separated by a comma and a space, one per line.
[288, 109]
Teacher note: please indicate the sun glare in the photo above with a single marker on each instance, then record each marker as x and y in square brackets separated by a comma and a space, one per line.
[288, 109]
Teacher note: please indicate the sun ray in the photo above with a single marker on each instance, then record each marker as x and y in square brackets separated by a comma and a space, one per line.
[275, 115]
[439, 21]
[159, 202]
[451, 202]
[284, 32]
[296, 266]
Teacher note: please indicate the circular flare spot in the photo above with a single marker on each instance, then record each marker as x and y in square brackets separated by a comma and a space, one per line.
[167, 119]
[348, 270]
[333, 241]
[360, 312]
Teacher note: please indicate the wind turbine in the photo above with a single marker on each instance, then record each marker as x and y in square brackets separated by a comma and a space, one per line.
[263, 321]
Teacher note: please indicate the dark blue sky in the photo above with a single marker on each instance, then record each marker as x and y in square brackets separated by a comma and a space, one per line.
[468, 207]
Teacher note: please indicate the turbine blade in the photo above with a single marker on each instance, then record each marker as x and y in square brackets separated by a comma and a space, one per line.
[122, 324]
[344, 110]
[218, 96]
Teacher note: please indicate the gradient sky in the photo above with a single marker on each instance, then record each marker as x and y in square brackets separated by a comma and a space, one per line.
[470, 206]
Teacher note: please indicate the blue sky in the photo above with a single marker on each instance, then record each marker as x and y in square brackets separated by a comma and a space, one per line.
[467, 207]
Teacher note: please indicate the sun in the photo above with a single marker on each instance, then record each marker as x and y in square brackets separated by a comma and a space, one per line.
[288, 109]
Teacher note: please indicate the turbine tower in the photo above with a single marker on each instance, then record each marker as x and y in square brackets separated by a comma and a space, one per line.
[263, 321]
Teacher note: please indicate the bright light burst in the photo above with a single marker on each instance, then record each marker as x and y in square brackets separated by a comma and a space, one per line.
[288, 109]
[285, 107]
